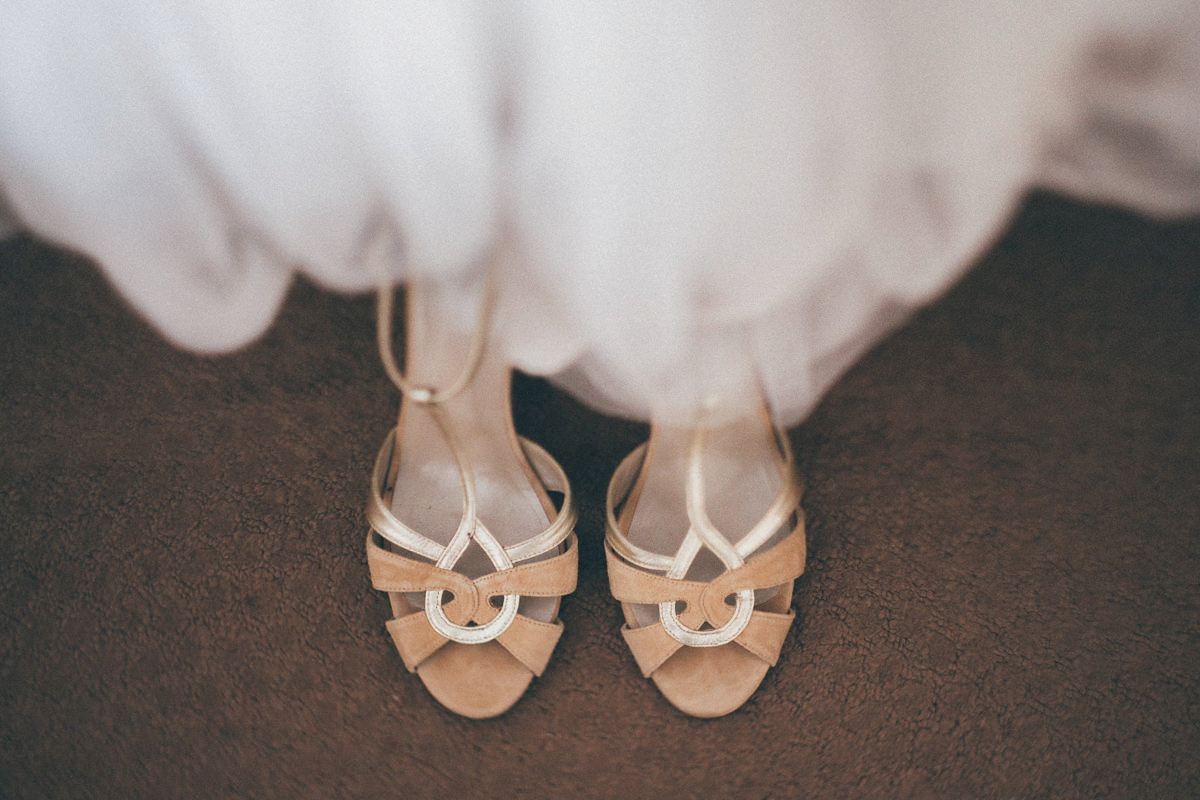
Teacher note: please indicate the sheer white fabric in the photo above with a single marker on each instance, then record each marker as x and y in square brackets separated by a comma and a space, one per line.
[680, 198]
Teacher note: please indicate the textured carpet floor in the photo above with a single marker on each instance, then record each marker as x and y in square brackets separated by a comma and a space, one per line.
[1003, 596]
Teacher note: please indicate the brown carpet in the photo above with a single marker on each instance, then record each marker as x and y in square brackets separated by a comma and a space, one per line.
[1003, 597]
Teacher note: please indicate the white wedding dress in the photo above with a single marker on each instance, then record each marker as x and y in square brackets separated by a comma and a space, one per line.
[676, 196]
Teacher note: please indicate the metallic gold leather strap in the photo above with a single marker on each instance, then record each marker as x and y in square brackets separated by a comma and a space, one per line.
[547, 470]
[553, 479]
[625, 476]
[383, 521]
[528, 640]
[375, 256]
[430, 400]
[701, 534]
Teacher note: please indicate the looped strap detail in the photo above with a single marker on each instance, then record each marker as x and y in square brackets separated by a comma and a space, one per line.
[529, 641]
[385, 523]
[705, 602]
[641, 577]
[762, 635]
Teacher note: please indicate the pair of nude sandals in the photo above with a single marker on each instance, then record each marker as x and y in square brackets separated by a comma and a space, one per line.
[475, 590]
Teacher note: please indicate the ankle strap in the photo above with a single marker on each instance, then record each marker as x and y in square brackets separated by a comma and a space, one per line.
[375, 256]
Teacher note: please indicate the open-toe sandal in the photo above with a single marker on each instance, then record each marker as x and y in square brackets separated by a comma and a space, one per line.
[706, 615]
[474, 588]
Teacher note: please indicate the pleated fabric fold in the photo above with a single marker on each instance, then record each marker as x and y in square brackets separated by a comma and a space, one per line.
[680, 199]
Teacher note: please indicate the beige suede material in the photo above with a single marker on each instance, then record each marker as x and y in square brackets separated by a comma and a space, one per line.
[527, 640]
[763, 636]
[779, 565]
[651, 646]
[631, 584]
[477, 681]
[392, 572]
[710, 681]
[531, 642]
[552, 577]
[415, 640]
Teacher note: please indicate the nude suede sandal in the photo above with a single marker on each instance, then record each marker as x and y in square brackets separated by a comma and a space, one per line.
[706, 616]
[475, 595]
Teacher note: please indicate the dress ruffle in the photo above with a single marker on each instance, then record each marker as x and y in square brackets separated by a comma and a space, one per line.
[680, 199]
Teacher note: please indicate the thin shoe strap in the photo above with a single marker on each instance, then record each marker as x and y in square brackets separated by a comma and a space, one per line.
[431, 399]
[702, 533]
[427, 397]
[375, 257]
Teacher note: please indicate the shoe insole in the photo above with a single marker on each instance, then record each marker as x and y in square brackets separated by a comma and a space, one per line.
[428, 495]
